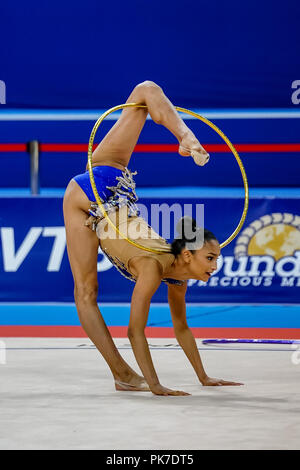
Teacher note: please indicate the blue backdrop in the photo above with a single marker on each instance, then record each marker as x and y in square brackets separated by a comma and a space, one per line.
[34, 264]
[207, 54]
[263, 169]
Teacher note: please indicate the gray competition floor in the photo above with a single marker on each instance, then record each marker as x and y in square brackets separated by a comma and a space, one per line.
[58, 394]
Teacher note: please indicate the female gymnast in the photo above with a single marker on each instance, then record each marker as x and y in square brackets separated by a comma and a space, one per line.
[85, 225]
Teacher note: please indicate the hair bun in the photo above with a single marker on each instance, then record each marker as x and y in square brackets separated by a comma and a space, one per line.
[190, 236]
[186, 228]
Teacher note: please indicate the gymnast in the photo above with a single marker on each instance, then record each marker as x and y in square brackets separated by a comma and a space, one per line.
[86, 227]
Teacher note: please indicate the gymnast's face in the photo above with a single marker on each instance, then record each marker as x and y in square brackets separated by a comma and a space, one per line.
[202, 263]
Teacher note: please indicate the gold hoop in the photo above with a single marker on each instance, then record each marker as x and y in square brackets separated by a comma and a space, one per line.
[185, 111]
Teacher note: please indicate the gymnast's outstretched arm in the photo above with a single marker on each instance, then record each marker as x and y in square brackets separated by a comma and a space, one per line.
[184, 336]
[148, 280]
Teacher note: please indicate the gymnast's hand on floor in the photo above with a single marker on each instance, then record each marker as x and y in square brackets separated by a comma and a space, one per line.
[160, 390]
[190, 146]
[211, 382]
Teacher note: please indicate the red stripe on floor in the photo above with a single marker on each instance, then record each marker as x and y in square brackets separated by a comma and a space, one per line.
[151, 332]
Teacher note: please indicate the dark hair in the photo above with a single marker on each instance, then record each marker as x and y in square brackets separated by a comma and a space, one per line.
[187, 225]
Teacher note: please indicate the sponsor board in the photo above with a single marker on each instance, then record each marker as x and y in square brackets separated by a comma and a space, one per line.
[262, 264]
[266, 251]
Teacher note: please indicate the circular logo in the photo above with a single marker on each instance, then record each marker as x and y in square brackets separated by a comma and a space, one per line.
[275, 234]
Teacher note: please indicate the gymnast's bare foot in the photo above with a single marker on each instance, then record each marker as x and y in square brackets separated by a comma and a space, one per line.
[190, 146]
[134, 383]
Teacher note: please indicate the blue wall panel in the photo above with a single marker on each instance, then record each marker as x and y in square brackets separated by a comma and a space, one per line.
[263, 169]
[91, 54]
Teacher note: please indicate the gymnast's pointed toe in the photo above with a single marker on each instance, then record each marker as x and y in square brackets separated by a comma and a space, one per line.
[200, 158]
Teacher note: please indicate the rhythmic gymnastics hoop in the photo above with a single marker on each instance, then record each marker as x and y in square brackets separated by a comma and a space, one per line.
[185, 111]
[250, 341]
